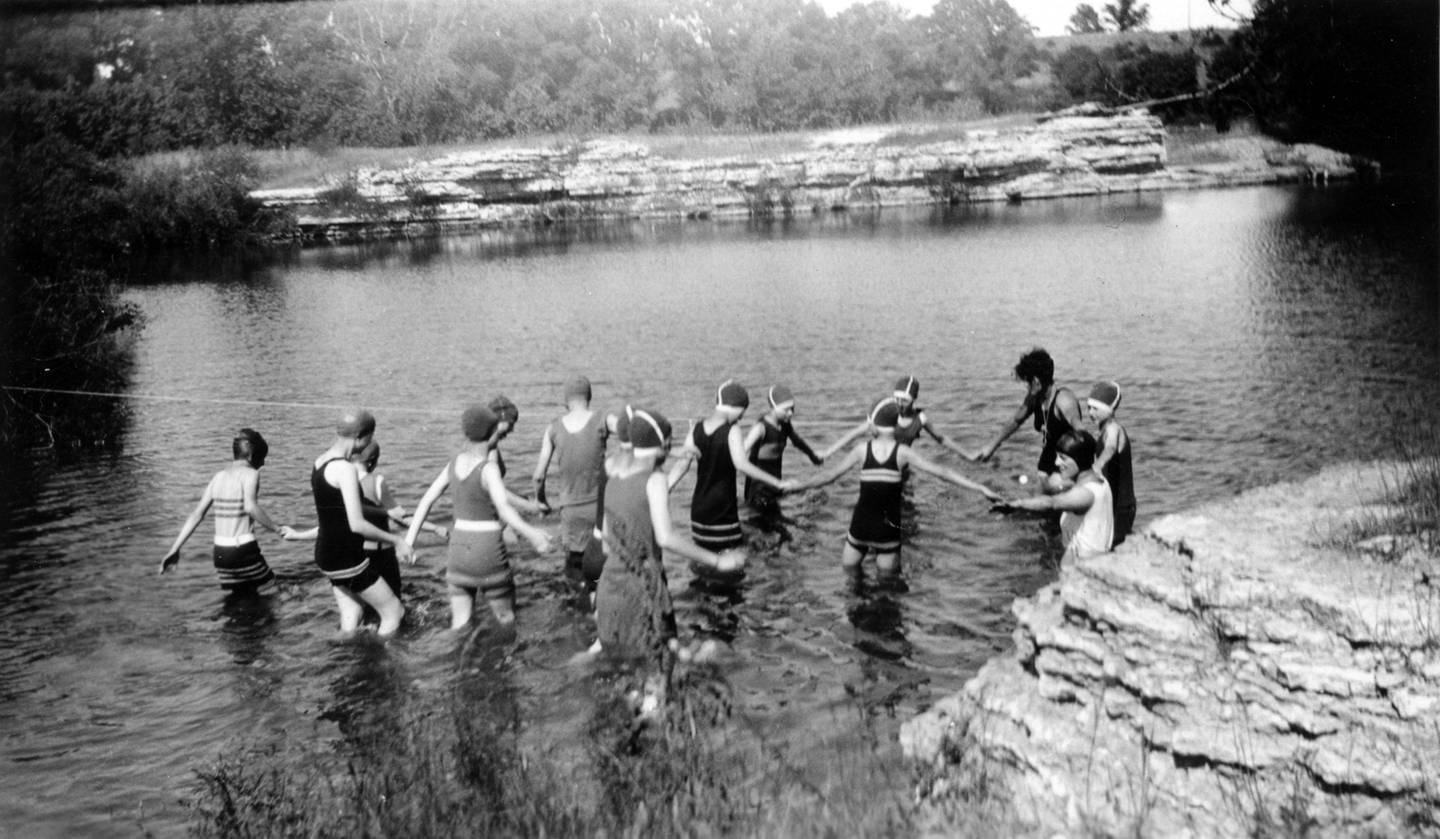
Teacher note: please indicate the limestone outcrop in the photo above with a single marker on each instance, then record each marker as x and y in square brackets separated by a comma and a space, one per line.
[1082, 151]
[1232, 672]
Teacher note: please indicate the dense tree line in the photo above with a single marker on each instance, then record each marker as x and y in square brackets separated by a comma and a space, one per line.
[425, 71]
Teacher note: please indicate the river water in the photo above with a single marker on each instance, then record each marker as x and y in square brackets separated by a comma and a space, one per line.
[1258, 334]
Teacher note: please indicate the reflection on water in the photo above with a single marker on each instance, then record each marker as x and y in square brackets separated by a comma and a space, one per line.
[1258, 334]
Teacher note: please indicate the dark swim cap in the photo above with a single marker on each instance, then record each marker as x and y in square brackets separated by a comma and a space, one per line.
[779, 395]
[886, 413]
[908, 387]
[649, 429]
[356, 423]
[732, 394]
[478, 423]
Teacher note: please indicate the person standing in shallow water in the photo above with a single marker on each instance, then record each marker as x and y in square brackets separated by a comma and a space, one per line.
[343, 530]
[719, 451]
[574, 444]
[234, 493]
[477, 560]
[1087, 522]
[634, 616]
[875, 523]
[1113, 460]
[1055, 411]
[381, 508]
[765, 444]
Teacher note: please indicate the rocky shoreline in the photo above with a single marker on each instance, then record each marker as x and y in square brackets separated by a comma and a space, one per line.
[1082, 151]
[1231, 671]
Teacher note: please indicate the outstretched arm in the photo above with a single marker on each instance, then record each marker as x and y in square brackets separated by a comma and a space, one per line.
[908, 457]
[854, 458]
[850, 436]
[657, 491]
[1006, 430]
[1077, 499]
[500, 497]
[948, 443]
[349, 484]
[741, 457]
[422, 510]
[688, 452]
[803, 446]
[396, 511]
[172, 556]
[250, 490]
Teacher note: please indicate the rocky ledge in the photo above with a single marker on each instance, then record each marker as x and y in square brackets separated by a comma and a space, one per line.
[1085, 150]
[1233, 672]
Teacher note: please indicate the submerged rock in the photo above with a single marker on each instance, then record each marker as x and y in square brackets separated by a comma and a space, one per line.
[1233, 672]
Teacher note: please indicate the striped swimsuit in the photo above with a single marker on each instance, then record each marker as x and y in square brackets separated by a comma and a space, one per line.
[238, 561]
[875, 524]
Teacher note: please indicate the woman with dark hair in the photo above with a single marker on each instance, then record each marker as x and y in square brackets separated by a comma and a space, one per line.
[1087, 519]
[234, 492]
[1055, 409]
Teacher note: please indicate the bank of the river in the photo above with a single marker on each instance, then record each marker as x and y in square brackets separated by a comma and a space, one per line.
[1081, 151]
[1260, 666]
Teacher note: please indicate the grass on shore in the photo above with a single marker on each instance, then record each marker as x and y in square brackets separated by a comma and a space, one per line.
[446, 767]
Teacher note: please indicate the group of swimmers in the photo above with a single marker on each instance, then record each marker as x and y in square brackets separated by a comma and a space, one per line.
[613, 505]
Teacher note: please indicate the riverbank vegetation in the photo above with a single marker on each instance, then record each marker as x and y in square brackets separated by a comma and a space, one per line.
[452, 764]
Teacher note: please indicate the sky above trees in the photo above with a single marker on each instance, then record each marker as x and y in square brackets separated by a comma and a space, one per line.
[1050, 16]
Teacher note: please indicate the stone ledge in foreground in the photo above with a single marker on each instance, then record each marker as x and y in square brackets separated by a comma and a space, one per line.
[1227, 670]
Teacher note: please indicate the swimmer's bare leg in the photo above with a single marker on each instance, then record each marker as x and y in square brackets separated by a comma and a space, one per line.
[386, 605]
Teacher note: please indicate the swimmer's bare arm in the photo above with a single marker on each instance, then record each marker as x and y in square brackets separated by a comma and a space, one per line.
[908, 457]
[1069, 407]
[542, 465]
[688, 452]
[803, 446]
[1109, 446]
[850, 461]
[1077, 499]
[850, 436]
[250, 491]
[657, 492]
[172, 557]
[396, 511]
[741, 458]
[500, 497]
[422, 510]
[752, 437]
[342, 475]
[948, 443]
[1009, 428]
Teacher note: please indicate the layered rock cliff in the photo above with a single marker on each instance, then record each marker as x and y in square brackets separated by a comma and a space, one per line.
[1083, 151]
[1233, 672]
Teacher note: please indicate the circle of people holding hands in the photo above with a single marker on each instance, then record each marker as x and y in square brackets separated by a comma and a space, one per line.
[614, 514]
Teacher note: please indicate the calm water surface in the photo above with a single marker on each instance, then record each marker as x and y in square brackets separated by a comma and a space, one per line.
[1258, 334]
